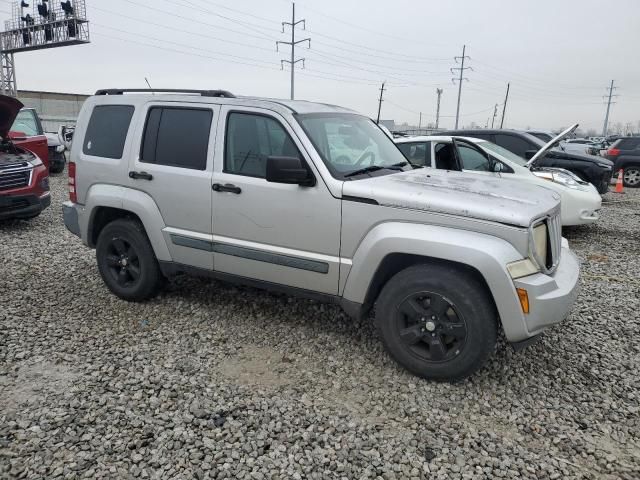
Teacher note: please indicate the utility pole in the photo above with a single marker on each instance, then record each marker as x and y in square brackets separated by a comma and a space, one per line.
[606, 117]
[504, 107]
[380, 102]
[495, 113]
[461, 69]
[439, 92]
[293, 44]
[420, 122]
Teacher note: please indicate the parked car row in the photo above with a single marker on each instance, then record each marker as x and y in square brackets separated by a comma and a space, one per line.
[316, 200]
[580, 199]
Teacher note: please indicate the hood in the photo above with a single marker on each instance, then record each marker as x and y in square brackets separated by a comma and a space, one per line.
[9, 108]
[502, 200]
[584, 157]
[551, 143]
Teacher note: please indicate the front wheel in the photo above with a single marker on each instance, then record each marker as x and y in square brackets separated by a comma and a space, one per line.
[127, 262]
[438, 322]
[631, 176]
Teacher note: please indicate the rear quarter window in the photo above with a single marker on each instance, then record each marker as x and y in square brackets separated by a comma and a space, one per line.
[107, 131]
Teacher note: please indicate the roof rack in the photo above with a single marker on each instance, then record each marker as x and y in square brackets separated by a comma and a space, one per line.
[204, 93]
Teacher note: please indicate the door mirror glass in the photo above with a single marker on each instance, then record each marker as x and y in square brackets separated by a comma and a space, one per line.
[498, 167]
[529, 154]
[289, 170]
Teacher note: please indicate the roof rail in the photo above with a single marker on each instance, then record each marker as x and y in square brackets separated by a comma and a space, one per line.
[204, 93]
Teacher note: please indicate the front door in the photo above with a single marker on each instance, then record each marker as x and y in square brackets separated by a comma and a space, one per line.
[277, 233]
[174, 165]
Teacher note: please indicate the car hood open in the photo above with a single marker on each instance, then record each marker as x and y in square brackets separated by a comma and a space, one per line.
[550, 144]
[501, 200]
[9, 108]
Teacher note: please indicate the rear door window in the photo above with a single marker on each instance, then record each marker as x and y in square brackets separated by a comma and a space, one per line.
[418, 153]
[177, 137]
[515, 144]
[107, 131]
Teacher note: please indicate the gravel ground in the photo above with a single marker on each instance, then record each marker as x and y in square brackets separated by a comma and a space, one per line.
[214, 381]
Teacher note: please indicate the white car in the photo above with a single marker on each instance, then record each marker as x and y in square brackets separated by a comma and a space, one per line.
[580, 200]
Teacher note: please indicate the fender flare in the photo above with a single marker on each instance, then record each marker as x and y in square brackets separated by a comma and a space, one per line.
[136, 202]
[484, 253]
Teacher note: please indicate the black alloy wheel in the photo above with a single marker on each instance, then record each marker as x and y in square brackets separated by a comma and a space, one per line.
[431, 327]
[123, 262]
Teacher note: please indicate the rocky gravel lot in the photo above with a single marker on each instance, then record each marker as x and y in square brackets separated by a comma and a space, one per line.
[214, 381]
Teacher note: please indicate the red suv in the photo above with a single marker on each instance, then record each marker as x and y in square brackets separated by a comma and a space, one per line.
[24, 178]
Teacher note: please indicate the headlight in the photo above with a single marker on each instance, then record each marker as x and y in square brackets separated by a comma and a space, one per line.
[559, 177]
[60, 148]
[540, 242]
[522, 268]
[36, 161]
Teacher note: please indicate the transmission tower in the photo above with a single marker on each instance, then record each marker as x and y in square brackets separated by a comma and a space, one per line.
[461, 78]
[293, 44]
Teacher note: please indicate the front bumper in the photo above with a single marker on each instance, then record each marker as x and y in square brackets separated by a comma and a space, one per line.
[550, 296]
[23, 206]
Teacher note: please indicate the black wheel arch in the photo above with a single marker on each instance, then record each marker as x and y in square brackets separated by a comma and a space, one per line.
[394, 263]
[102, 216]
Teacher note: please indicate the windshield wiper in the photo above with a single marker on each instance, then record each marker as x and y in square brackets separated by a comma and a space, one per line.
[370, 168]
[375, 168]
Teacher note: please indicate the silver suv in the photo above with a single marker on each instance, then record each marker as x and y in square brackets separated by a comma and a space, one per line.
[315, 200]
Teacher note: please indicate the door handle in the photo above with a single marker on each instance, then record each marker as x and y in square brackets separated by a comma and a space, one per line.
[140, 176]
[227, 187]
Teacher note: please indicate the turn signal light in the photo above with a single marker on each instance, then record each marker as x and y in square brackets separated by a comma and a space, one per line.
[614, 152]
[524, 299]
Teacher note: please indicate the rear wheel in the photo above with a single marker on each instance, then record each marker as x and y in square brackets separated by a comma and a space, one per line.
[631, 176]
[438, 322]
[126, 260]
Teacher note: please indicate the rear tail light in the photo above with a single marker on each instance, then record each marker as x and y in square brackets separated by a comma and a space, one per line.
[73, 196]
[614, 152]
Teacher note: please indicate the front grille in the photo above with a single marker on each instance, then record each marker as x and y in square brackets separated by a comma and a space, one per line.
[554, 246]
[14, 176]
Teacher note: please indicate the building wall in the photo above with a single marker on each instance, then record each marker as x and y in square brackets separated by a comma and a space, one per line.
[54, 109]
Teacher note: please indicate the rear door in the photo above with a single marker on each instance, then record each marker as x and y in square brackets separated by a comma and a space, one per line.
[173, 163]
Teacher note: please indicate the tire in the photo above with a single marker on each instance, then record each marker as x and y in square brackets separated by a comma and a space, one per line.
[126, 261]
[631, 176]
[455, 330]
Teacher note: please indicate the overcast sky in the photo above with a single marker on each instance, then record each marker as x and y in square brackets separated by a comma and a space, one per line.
[558, 55]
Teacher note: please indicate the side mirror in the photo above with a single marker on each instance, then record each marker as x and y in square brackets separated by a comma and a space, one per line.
[498, 167]
[529, 154]
[290, 170]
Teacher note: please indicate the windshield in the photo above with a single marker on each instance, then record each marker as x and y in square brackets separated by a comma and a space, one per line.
[348, 143]
[492, 148]
[26, 123]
